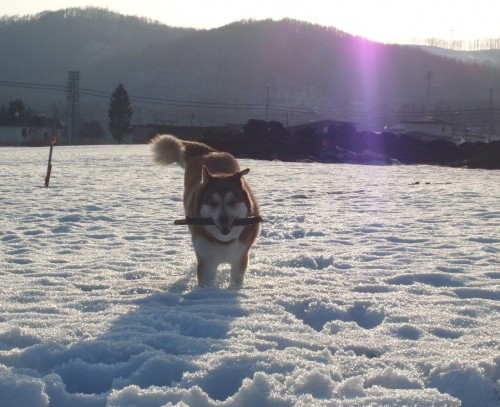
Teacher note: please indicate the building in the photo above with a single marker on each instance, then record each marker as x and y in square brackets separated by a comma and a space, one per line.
[428, 128]
[33, 131]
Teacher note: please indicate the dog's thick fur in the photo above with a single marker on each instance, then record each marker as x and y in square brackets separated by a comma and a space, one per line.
[214, 187]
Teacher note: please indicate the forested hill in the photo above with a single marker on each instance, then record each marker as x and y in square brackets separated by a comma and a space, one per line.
[307, 67]
[45, 46]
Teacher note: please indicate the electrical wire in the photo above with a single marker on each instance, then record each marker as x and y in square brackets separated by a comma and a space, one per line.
[248, 106]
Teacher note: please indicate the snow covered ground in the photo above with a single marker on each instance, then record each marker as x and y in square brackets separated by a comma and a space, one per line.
[368, 286]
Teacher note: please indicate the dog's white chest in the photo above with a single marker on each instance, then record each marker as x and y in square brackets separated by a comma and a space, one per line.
[218, 253]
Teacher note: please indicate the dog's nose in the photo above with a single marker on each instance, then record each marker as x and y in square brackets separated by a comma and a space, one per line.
[224, 225]
[224, 220]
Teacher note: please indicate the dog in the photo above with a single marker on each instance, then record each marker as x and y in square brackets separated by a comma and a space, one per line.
[214, 188]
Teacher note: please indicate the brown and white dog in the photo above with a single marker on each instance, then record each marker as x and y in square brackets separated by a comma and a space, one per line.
[214, 188]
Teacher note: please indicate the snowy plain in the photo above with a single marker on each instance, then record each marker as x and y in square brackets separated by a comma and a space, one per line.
[369, 286]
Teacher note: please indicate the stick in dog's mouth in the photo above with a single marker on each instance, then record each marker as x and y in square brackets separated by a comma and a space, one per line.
[252, 220]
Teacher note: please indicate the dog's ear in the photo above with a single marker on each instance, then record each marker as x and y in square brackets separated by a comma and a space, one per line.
[206, 176]
[237, 176]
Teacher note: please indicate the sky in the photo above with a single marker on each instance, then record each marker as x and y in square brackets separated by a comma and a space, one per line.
[392, 21]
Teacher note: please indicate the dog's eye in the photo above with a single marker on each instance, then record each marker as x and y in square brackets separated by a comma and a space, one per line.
[213, 204]
[232, 203]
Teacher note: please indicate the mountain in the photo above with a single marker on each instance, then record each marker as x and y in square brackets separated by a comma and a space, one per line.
[46, 46]
[283, 70]
[41, 49]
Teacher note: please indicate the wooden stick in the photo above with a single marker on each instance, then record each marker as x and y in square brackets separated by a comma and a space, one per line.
[252, 220]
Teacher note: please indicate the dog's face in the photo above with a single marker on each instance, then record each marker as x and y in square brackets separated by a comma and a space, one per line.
[223, 200]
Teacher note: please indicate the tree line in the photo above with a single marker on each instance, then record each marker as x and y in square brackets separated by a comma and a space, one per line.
[462, 45]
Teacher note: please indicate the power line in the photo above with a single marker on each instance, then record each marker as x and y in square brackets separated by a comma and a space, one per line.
[322, 110]
[39, 86]
[140, 99]
[163, 101]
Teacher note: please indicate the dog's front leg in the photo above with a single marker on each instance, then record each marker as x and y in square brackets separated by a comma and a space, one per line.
[238, 271]
[207, 262]
[206, 273]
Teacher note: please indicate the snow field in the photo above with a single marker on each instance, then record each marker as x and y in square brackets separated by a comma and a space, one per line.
[364, 288]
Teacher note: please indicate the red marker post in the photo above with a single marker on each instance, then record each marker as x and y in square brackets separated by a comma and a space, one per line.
[53, 140]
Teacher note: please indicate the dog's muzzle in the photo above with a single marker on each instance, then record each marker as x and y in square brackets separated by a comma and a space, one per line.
[224, 224]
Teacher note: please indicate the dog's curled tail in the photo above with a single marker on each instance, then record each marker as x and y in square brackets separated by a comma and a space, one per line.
[168, 149]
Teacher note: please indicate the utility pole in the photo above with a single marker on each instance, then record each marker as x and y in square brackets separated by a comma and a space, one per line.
[428, 77]
[267, 103]
[73, 105]
[138, 109]
[492, 117]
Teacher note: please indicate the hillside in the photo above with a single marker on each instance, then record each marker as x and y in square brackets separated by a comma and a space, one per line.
[483, 57]
[222, 75]
[49, 44]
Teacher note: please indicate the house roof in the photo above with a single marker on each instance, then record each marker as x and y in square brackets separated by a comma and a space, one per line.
[321, 123]
[428, 120]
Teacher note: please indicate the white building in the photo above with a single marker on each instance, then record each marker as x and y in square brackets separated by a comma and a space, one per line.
[35, 131]
[429, 129]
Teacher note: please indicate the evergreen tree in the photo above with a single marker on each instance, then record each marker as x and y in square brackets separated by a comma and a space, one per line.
[15, 111]
[120, 113]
